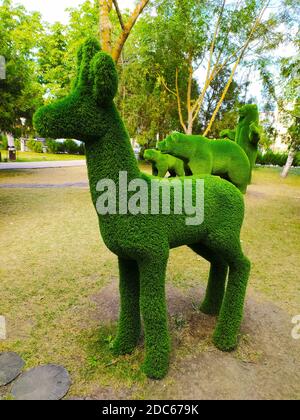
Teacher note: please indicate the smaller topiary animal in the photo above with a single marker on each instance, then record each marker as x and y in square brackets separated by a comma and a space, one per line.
[163, 163]
[248, 132]
[204, 156]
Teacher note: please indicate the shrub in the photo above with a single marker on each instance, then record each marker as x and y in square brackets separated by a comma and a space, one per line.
[18, 144]
[3, 142]
[52, 146]
[276, 159]
[71, 147]
[35, 146]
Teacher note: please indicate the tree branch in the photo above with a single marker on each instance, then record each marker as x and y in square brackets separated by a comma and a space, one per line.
[179, 103]
[167, 87]
[105, 26]
[127, 29]
[119, 14]
[255, 26]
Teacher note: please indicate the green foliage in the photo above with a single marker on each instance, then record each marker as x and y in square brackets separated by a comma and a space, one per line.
[142, 241]
[35, 146]
[52, 146]
[276, 159]
[20, 92]
[204, 156]
[163, 163]
[68, 146]
[18, 144]
[3, 142]
[228, 112]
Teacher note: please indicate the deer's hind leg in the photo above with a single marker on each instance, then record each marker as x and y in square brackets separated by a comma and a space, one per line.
[129, 327]
[231, 313]
[212, 302]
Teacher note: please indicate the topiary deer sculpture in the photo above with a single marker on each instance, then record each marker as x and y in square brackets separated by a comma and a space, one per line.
[142, 241]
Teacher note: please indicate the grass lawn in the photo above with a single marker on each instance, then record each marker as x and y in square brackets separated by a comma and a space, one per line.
[54, 264]
[41, 157]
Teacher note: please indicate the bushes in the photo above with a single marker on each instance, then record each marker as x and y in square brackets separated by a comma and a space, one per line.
[35, 146]
[276, 159]
[53, 146]
[18, 144]
[3, 142]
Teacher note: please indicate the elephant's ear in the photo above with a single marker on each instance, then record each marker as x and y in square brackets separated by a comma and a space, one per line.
[105, 78]
[85, 55]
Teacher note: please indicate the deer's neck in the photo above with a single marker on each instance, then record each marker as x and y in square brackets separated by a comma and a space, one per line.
[111, 154]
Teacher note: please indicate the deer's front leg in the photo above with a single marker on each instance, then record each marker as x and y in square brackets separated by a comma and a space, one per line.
[154, 312]
[129, 328]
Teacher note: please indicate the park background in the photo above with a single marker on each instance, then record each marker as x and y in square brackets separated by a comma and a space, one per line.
[59, 286]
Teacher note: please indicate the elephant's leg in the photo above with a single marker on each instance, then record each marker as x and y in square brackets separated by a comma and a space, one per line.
[154, 312]
[129, 327]
[231, 314]
[216, 281]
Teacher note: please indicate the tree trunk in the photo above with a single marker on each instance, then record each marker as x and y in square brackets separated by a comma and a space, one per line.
[190, 123]
[10, 140]
[288, 164]
[105, 25]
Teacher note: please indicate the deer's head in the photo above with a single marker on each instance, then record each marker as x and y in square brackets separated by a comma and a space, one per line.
[84, 114]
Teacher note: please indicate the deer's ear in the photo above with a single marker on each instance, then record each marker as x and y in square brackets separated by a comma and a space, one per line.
[105, 78]
[85, 55]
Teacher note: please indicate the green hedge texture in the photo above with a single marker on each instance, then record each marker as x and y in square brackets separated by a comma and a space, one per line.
[205, 156]
[142, 242]
[248, 131]
[163, 163]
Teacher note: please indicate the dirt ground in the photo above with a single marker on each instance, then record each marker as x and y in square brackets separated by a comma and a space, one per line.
[265, 366]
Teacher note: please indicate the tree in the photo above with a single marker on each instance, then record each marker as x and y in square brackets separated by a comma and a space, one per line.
[227, 115]
[202, 41]
[20, 91]
[105, 26]
[293, 139]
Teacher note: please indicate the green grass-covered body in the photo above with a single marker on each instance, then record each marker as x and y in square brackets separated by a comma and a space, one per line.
[248, 132]
[142, 241]
[163, 163]
[205, 156]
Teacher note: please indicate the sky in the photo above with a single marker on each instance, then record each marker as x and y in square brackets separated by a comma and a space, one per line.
[54, 10]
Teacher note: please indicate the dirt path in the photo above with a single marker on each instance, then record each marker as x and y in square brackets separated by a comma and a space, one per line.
[42, 165]
[65, 185]
[265, 366]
